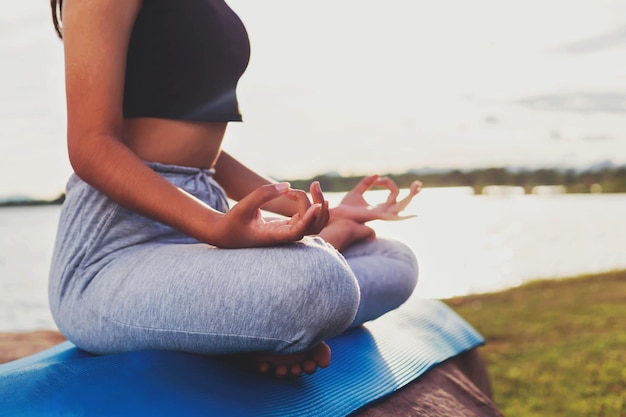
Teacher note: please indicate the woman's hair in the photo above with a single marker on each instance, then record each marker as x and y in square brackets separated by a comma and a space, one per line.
[56, 6]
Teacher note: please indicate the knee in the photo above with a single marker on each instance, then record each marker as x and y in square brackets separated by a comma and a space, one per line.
[328, 299]
[404, 262]
[406, 257]
[387, 272]
[409, 269]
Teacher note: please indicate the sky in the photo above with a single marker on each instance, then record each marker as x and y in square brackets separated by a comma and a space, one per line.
[360, 86]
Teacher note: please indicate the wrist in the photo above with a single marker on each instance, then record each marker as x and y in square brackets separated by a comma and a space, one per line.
[209, 227]
[336, 213]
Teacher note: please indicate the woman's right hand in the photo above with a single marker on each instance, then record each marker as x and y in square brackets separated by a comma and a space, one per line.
[244, 225]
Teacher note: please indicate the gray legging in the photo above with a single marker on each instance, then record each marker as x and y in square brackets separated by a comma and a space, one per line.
[120, 281]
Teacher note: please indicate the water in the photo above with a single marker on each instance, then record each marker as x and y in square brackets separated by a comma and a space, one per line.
[26, 241]
[465, 244]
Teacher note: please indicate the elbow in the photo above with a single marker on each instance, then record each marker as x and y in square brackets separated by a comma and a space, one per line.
[80, 157]
[86, 154]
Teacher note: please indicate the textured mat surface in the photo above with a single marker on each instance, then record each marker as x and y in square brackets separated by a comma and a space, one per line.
[368, 363]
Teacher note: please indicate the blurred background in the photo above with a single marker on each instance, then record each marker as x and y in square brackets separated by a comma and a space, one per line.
[353, 87]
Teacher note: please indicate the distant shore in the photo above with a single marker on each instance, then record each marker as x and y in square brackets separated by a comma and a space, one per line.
[26, 202]
[593, 180]
[608, 179]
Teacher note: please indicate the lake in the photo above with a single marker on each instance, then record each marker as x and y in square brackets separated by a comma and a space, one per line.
[465, 244]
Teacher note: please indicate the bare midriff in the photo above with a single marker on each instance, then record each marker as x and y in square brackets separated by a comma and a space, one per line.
[175, 142]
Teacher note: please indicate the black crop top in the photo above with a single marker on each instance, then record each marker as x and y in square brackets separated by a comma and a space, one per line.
[184, 61]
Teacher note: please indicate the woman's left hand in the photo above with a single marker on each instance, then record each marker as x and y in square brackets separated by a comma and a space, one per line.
[354, 206]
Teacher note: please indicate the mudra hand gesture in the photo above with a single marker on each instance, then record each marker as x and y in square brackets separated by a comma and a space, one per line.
[354, 206]
[245, 226]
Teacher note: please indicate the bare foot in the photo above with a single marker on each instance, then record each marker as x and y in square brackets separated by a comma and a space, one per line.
[342, 233]
[292, 365]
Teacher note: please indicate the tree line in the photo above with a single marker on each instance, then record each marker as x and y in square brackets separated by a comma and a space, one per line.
[607, 180]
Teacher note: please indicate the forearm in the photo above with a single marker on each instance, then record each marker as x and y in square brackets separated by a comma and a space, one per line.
[238, 181]
[109, 166]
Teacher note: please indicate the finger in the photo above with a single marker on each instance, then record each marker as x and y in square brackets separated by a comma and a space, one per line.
[389, 184]
[294, 219]
[301, 199]
[253, 202]
[402, 204]
[394, 216]
[323, 216]
[321, 219]
[316, 192]
[365, 184]
[297, 226]
[306, 223]
[281, 230]
[415, 188]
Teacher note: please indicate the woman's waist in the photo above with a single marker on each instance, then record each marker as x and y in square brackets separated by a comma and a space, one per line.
[175, 142]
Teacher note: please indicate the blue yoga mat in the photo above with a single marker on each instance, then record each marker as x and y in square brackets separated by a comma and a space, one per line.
[367, 364]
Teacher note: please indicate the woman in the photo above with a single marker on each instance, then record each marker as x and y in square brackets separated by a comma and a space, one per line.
[148, 254]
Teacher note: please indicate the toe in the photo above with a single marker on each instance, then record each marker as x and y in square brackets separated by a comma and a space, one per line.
[296, 370]
[263, 367]
[282, 371]
[321, 355]
[309, 366]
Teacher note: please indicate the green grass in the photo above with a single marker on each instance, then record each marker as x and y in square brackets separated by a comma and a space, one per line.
[555, 347]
